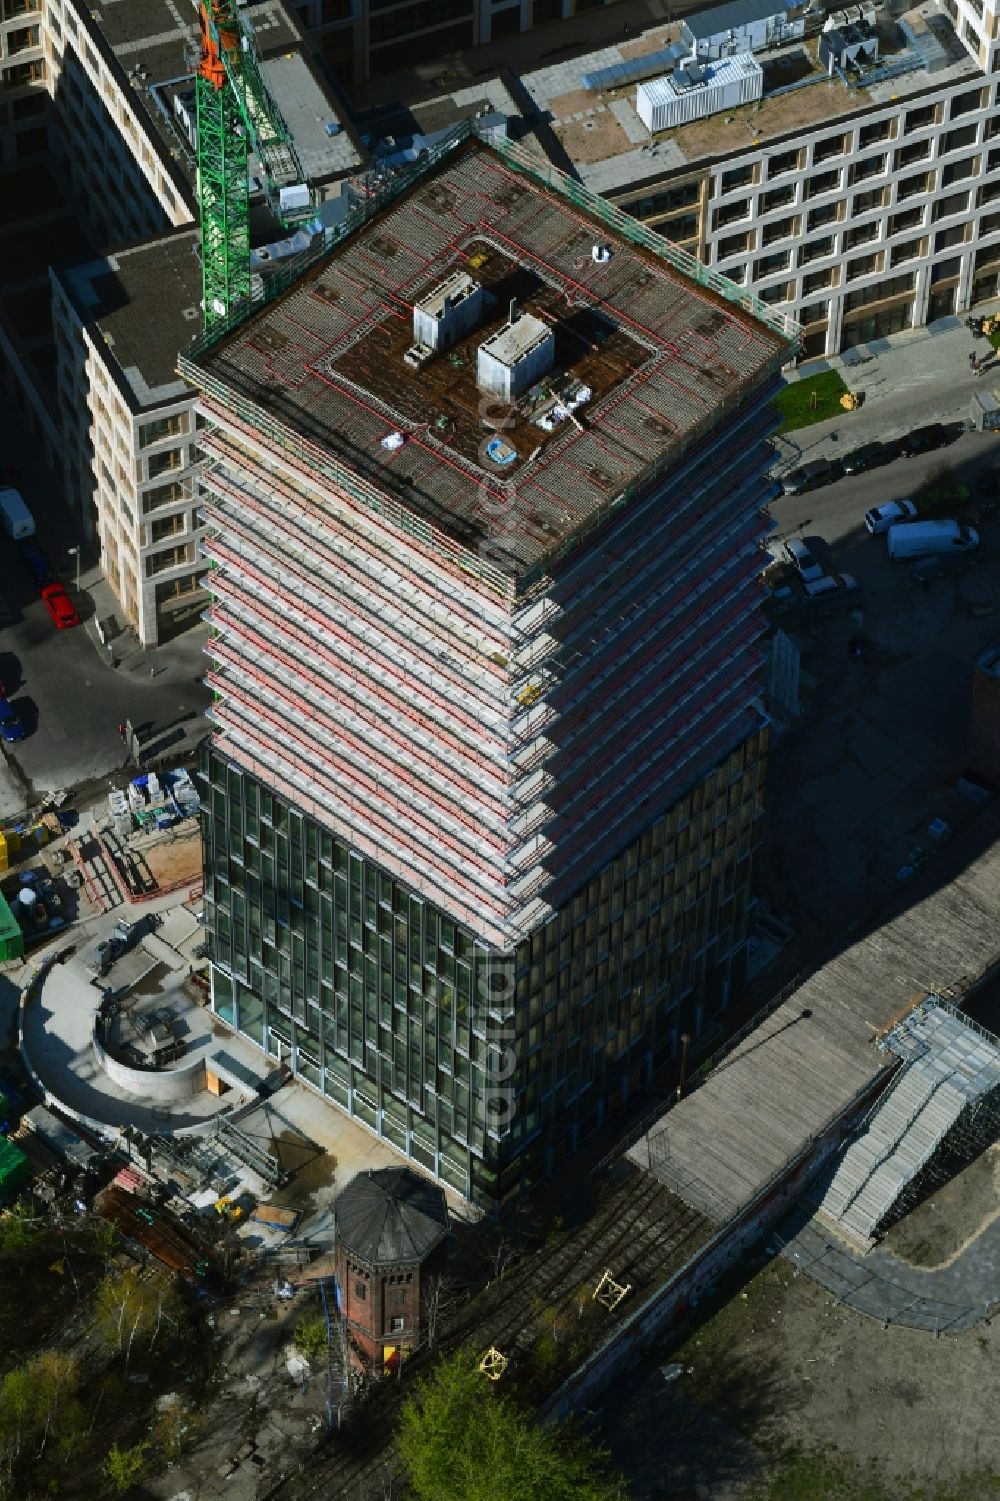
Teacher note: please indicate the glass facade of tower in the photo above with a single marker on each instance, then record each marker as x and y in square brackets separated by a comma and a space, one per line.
[485, 1068]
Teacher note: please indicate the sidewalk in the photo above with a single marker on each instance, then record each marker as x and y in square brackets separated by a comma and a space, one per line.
[180, 660]
[909, 379]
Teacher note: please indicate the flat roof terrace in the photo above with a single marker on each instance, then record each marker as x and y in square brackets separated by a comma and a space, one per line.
[663, 353]
[611, 147]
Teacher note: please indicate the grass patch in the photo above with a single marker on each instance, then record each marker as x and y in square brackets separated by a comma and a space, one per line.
[814, 399]
[801, 1476]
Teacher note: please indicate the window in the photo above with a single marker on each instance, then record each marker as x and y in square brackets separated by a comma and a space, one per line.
[731, 214]
[954, 140]
[663, 203]
[815, 312]
[396, 1325]
[870, 135]
[918, 151]
[163, 427]
[894, 286]
[823, 182]
[828, 213]
[945, 270]
[900, 223]
[946, 239]
[777, 198]
[819, 279]
[733, 245]
[863, 235]
[769, 264]
[962, 104]
[909, 187]
[167, 526]
[832, 146]
[785, 161]
[815, 250]
[22, 39]
[781, 229]
[162, 463]
[360, 1291]
[956, 203]
[736, 177]
[959, 171]
[872, 166]
[171, 557]
[865, 265]
[162, 495]
[908, 250]
[921, 119]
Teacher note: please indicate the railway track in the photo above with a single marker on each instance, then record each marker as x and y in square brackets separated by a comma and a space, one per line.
[639, 1231]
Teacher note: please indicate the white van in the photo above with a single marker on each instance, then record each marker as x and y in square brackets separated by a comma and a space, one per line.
[18, 521]
[928, 539]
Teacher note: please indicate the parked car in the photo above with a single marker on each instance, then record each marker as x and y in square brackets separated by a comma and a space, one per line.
[11, 728]
[924, 439]
[796, 552]
[810, 476]
[869, 456]
[880, 518]
[60, 607]
[37, 564]
[831, 584]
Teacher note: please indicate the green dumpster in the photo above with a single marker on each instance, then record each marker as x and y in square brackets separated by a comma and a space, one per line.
[11, 937]
[13, 1168]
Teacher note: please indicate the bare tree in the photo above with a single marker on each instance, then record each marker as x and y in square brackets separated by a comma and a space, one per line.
[440, 1297]
[504, 1254]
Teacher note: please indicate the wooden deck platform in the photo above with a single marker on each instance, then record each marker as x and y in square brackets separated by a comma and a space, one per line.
[797, 1072]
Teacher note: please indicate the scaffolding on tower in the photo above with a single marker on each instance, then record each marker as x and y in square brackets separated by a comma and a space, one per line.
[236, 115]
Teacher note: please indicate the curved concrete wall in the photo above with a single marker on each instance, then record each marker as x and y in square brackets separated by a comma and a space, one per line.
[158, 1086]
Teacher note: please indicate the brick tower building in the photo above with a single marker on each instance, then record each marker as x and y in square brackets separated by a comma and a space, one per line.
[390, 1229]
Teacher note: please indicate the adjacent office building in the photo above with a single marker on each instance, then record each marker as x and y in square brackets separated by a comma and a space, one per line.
[488, 749]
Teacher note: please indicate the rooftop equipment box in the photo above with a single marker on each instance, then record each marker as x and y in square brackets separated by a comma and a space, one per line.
[694, 91]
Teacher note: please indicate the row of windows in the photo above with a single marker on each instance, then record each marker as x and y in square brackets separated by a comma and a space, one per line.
[921, 117]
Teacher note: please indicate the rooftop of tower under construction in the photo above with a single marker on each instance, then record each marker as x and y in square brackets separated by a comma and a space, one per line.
[505, 356]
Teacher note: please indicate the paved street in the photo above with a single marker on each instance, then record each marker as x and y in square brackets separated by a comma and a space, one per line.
[69, 696]
[880, 745]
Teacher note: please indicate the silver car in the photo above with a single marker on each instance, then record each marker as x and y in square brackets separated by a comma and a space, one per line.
[880, 518]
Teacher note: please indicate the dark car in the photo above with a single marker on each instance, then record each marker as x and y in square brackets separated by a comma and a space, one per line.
[11, 728]
[810, 476]
[924, 439]
[37, 564]
[868, 456]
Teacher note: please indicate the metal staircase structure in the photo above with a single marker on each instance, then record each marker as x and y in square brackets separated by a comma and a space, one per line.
[950, 1067]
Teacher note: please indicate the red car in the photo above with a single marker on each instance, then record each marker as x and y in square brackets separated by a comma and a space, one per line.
[60, 607]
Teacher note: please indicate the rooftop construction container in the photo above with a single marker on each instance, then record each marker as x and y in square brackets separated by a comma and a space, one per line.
[694, 90]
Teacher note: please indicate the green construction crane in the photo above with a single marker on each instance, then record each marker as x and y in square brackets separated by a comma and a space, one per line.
[236, 114]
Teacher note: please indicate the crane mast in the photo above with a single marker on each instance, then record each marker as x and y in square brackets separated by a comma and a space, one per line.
[236, 114]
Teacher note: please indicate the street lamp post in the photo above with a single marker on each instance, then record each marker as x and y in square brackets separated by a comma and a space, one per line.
[74, 552]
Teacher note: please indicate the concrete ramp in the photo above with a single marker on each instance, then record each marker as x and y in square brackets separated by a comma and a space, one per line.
[948, 1065]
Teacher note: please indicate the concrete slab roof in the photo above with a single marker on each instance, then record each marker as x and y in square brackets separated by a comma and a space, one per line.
[145, 303]
[636, 329]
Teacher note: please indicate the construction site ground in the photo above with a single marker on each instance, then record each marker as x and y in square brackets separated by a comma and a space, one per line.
[937, 1232]
[788, 1395]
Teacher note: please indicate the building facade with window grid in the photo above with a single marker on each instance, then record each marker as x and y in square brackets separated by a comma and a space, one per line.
[381, 1001]
[860, 207]
[486, 763]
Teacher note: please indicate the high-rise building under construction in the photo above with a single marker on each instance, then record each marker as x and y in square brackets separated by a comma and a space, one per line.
[484, 498]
